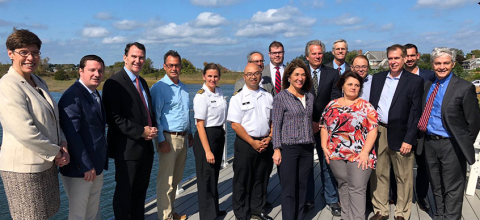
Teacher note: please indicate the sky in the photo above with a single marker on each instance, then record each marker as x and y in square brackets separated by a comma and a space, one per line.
[225, 31]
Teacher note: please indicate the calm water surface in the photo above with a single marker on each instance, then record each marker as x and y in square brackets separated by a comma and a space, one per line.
[109, 175]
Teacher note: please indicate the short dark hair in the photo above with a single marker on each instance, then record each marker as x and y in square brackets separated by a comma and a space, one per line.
[297, 63]
[347, 75]
[22, 38]
[275, 44]
[136, 44]
[211, 66]
[86, 58]
[395, 47]
[409, 46]
[172, 53]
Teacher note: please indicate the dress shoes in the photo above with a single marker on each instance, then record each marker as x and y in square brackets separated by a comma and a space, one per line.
[378, 216]
[308, 205]
[423, 204]
[399, 218]
[261, 216]
[335, 209]
[221, 212]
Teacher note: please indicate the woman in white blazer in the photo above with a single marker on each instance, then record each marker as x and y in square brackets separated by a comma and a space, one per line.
[33, 143]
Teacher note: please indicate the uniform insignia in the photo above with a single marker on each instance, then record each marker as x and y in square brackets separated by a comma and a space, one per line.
[213, 101]
[237, 92]
[245, 103]
[201, 91]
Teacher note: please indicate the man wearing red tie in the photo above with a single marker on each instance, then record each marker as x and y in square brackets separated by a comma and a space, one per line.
[448, 127]
[276, 67]
[339, 50]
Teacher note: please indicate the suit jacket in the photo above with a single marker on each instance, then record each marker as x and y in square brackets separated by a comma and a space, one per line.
[83, 122]
[460, 116]
[326, 91]
[31, 129]
[330, 64]
[405, 110]
[126, 118]
[427, 75]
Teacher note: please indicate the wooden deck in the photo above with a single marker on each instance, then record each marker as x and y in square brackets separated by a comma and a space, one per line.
[186, 202]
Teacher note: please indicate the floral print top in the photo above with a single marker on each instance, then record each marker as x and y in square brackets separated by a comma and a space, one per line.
[347, 128]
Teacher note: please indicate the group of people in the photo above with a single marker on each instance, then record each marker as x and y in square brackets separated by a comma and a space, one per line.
[362, 126]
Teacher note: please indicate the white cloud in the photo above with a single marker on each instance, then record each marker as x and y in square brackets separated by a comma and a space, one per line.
[213, 3]
[387, 27]
[103, 16]
[315, 3]
[345, 20]
[95, 32]
[114, 40]
[173, 30]
[287, 21]
[125, 25]
[442, 4]
[187, 41]
[209, 19]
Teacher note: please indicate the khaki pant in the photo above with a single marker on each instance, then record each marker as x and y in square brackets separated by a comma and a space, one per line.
[170, 173]
[379, 181]
[83, 197]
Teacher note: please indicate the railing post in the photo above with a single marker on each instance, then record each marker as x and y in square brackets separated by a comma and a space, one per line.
[224, 158]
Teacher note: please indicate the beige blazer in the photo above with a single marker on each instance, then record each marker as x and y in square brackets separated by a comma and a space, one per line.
[31, 129]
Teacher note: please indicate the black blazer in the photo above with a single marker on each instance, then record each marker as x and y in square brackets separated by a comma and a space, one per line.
[405, 110]
[83, 122]
[330, 64]
[326, 92]
[126, 118]
[427, 75]
[460, 116]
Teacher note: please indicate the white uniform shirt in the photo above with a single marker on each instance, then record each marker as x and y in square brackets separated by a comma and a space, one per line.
[251, 109]
[210, 107]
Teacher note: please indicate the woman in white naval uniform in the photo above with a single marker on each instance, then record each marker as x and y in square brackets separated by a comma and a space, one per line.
[210, 113]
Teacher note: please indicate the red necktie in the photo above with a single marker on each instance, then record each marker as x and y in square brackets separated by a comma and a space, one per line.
[339, 70]
[278, 81]
[143, 101]
[422, 124]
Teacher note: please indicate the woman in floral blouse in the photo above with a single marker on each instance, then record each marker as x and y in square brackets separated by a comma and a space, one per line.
[348, 132]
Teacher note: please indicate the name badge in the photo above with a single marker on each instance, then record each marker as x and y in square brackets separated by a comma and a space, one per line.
[245, 103]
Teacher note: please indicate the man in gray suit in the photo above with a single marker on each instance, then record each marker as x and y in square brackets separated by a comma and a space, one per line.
[266, 82]
[275, 68]
[339, 50]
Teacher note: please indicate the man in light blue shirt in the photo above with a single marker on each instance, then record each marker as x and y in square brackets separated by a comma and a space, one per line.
[171, 103]
[360, 66]
[339, 51]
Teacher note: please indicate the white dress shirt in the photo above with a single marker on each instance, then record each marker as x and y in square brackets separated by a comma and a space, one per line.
[210, 107]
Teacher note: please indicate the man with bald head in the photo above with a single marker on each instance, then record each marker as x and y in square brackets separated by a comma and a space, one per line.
[249, 113]
[360, 66]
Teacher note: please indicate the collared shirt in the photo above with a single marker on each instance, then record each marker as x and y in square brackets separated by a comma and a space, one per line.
[367, 84]
[210, 107]
[273, 71]
[89, 90]
[133, 78]
[343, 68]
[387, 96]
[251, 109]
[418, 72]
[171, 105]
[319, 71]
[435, 125]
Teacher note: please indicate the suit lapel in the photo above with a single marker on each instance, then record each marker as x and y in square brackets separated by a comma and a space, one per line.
[401, 84]
[451, 87]
[133, 90]
[47, 100]
[378, 82]
[90, 99]
[323, 77]
[427, 86]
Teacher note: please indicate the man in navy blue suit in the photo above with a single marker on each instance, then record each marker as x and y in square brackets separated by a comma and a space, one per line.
[397, 96]
[82, 119]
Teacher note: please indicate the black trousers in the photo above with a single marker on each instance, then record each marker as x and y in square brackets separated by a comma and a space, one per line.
[295, 167]
[132, 178]
[207, 174]
[447, 171]
[250, 178]
[422, 181]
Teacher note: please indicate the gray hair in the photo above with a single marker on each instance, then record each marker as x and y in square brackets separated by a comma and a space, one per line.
[314, 42]
[340, 41]
[249, 55]
[440, 51]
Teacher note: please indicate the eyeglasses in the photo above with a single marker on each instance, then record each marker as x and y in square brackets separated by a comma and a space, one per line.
[171, 66]
[25, 53]
[360, 67]
[277, 53]
[249, 75]
[256, 61]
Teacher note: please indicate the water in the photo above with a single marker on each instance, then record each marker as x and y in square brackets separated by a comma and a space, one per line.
[109, 175]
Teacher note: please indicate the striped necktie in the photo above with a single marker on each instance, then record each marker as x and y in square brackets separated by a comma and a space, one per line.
[422, 124]
[278, 81]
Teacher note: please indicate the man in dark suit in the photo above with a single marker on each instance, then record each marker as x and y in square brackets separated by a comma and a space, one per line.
[422, 181]
[82, 118]
[324, 89]
[396, 95]
[131, 127]
[339, 50]
[266, 82]
[274, 70]
[448, 127]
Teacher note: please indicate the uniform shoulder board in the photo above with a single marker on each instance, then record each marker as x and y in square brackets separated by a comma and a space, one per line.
[201, 91]
[263, 89]
[237, 91]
